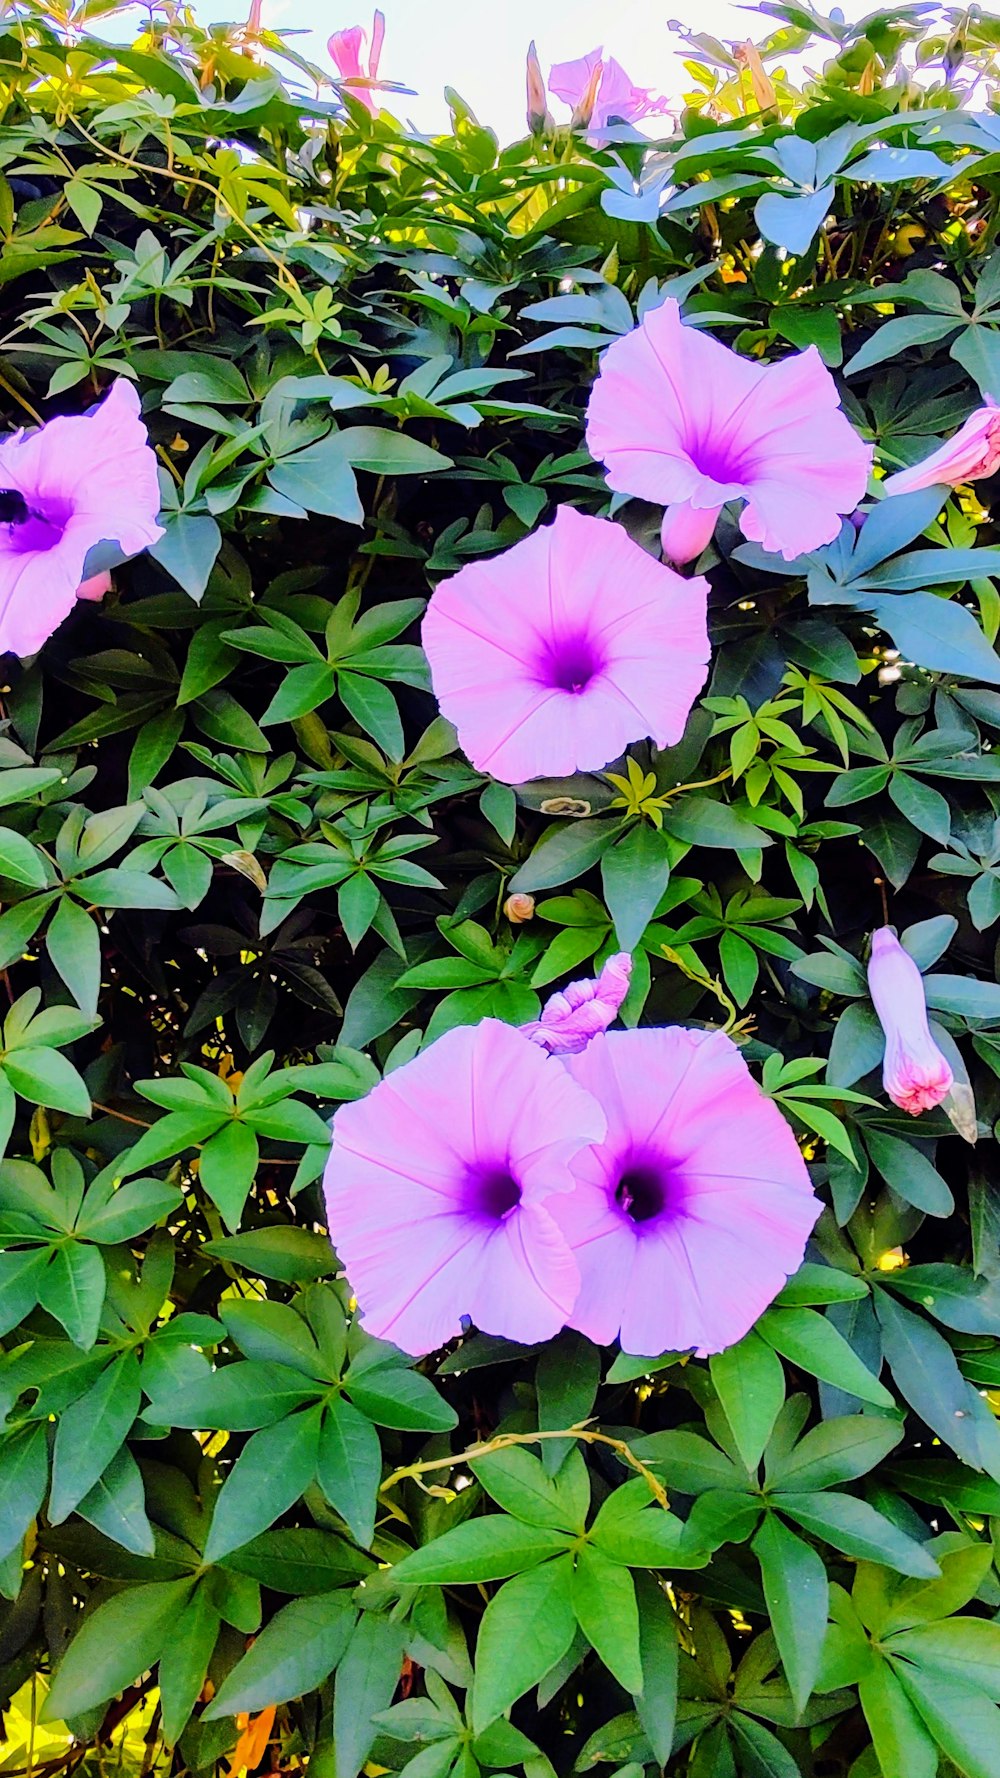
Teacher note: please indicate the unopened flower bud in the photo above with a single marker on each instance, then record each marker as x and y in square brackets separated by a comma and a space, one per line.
[539, 117]
[519, 908]
[915, 1074]
[686, 531]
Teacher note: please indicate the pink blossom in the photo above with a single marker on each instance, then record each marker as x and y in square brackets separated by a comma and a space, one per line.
[690, 1215]
[972, 454]
[681, 420]
[94, 587]
[357, 72]
[915, 1074]
[572, 1017]
[82, 479]
[551, 658]
[440, 1184]
[599, 92]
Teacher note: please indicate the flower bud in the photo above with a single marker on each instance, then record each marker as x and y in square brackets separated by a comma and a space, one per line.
[583, 1010]
[539, 116]
[519, 908]
[915, 1074]
[686, 531]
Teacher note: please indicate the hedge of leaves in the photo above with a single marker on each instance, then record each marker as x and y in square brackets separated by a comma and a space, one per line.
[246, 869]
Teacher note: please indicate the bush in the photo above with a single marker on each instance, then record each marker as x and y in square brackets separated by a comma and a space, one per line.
[247, 870]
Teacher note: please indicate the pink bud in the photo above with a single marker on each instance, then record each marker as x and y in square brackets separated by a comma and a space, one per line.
[971, 455]
[539, 116]
[570, 1019]
[686, 531]
[94, 588]
[915, 1074]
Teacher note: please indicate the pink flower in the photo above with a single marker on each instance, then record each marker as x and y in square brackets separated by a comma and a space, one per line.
[82, 480]
[690, 1215]
[973, 453]
[551, 658]
[571, 1018]
[439, 1189]
[94, 588]
[681, 420]
[358, 75]
[599, 92]
[915, 1074]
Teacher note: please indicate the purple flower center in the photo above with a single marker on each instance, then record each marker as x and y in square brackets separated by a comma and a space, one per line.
[718, 458]
[35, 525]
[648, 1187]
[570, 664]
[491, 1191]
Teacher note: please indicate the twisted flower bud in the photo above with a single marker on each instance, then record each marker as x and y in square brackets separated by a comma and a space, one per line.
[915, 1074]
[571, 1018]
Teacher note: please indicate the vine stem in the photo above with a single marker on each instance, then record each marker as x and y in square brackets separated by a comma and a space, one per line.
[504, 1442]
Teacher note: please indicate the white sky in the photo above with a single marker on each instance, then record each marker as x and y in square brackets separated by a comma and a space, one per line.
[478, 46]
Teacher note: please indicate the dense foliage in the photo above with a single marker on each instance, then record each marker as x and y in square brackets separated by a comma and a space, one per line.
[245, 869]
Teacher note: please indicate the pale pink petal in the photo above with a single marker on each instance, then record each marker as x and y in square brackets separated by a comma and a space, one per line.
[95, 588]
[553, 657]
[972, 454]
[85, 479]
[570, 80]
[915, 1074]
[37, 591]
[571, 1018]
[679, 419]
[438, 1187]
[703, 1178]
[687, 530]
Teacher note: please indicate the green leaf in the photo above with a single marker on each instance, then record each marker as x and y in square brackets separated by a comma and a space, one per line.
[24, 1474]
[19, 860]
[517, 1481]
[856, 1528]
[349, 1467]
[293, 1654]
[120, 1640]
[235, 1398]
[901, 1741]
[964, 1724]
[657, 1703]
[490, 1548]
[367, 1676]
[373, 708]
[74, 947]
[926, 1374]
[526, 1628]
[750, 1384]
[228, 1166]
[795, 1588]
[384, 452]
[910, 1173]
[272, 1472]
[184, 1661]
[289, 1255]
[187, 550]
[635, 872]
[704, 821]
[393, 1396]
[563, 853]
[606, 1611]
[807, 1339]
[73, 1291]
[116, 1505]
[46, 1078]
[90, 1432]
[836, 1451]
[566, 1382]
